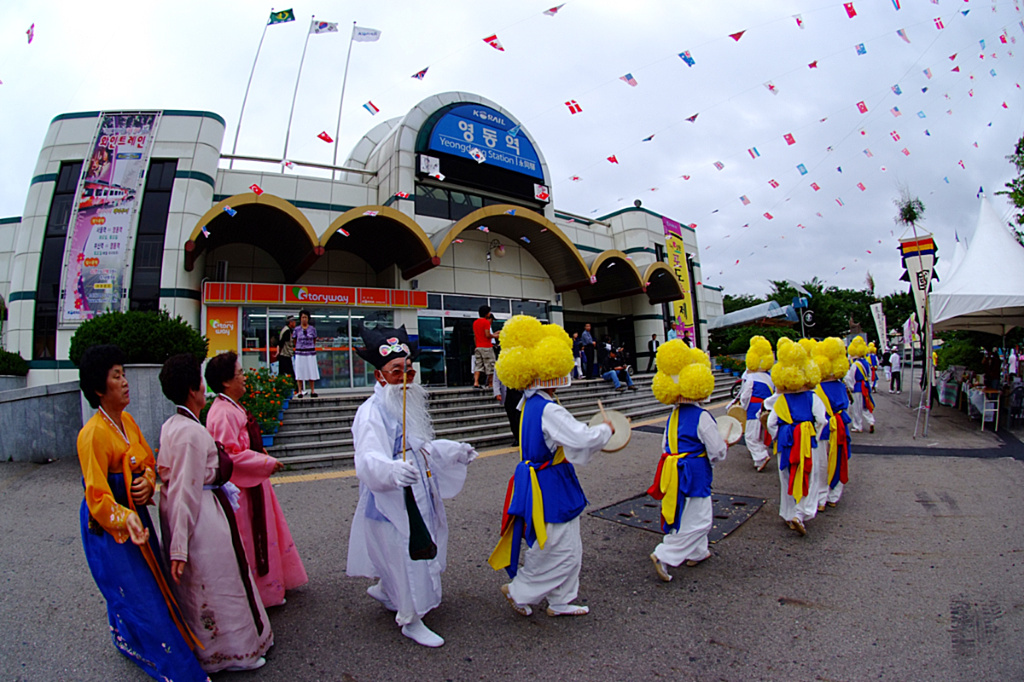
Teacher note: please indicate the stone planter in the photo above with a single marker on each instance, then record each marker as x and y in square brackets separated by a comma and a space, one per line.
[9, 382]
[148, 406]
[40, 423]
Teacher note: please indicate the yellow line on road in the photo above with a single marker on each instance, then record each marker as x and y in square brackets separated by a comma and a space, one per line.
[349, 473]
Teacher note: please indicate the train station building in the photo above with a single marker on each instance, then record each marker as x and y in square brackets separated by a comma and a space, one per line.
[431, 215]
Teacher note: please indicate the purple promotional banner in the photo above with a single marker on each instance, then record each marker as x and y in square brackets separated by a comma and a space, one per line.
[104, 217]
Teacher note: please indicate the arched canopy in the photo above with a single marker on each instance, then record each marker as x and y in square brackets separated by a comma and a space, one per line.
[613, 275]
[662, 284]
[382, 236]
[265, 221]
[532, 232]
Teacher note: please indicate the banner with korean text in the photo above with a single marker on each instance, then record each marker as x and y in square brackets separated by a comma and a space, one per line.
[682, 310]
[104, 216]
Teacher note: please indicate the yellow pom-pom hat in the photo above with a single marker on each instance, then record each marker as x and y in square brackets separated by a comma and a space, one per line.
[684, 374]
[760, 357]
[534, 355]
[858, 348]
[830, 356]
[794, 371]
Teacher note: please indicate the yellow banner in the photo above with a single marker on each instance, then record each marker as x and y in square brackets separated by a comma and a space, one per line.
[682, 310]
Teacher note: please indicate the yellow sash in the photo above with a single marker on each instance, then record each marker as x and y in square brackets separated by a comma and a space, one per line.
[796, 479]
[668, 482]
[833, 436]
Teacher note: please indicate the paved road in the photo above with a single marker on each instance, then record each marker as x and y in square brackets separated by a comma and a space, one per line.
[917, 575]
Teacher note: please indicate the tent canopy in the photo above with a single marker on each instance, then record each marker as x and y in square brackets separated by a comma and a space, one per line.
[986, 291]
[770, 313]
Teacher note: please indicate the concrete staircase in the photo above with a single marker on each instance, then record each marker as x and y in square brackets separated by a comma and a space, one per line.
[317, 432]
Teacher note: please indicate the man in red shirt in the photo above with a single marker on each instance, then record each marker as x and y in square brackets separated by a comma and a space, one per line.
[484, 353]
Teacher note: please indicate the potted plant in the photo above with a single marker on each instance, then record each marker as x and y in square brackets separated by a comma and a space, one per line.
[147, 339]
[265, 397]
[13, 370]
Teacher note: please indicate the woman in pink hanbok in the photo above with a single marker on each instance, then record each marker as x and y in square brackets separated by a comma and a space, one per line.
[269, 548]
[210, 575]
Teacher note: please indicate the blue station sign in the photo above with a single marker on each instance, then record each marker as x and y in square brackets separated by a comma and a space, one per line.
[480, 133]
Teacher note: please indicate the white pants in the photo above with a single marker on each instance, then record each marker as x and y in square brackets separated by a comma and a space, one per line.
[791, 510]
[412, 587]
[552, 572]
[820, 476]
[690, 542]
[754, 436]
[859, 417]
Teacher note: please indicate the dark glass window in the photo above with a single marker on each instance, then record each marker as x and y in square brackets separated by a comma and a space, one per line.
[453, 302]
[434, 302]
[463, 204]
[149, 241]
[431, 201]
[500, 305]
[538, 309]
[51, 260]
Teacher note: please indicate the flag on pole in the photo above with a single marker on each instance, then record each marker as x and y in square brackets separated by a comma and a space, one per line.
[928, 74]
[648, 138]
[420, 75]
[613, 159]
[365, 35]
[719, 165]
[230, 211]
[493, 41]
[802, 168]
[850, 11]
[628, 79]
[771, 88]
[325, 137]
[693, 118]
[788, 137]
[206, 233]
[861, 187]
[745, 200]
[862, 107]
[256, 189]
[554, 10]
[738, 35]
[815, 186]
[896, 4]
[318, 27]
[687, 57]
[774, 183]
[896, 111]
[861, 49]
[753, 152]
[372, 108]
[282, 17]
[31, 33]
[938, 23]
[574, 107]
[813, 65]
[799, 20]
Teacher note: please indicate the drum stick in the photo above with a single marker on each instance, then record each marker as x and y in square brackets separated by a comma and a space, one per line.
[604, 415]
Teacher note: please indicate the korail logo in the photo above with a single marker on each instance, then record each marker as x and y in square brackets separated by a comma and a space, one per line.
[223, 327]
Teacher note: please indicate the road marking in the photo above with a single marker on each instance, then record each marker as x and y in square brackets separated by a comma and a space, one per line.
[349, 473]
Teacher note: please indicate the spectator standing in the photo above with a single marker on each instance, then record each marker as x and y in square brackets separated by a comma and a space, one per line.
[306, 370]
[652, 347]
[589, 352]
[286, 348]
[484, 353]
[896, 382]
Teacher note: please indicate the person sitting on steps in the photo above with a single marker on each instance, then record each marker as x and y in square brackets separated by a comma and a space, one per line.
[612, 369]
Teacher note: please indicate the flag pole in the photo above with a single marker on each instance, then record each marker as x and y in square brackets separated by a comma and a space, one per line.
[344, 81]
[295, 94]
[234, 147]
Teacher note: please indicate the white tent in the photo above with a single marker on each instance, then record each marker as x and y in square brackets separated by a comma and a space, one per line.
[986, 291]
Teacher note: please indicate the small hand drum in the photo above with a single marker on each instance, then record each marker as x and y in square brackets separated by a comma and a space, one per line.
[730, 430]
[738, 413]
[623, 429]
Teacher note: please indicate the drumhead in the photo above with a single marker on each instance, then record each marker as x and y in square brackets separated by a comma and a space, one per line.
[623, 429]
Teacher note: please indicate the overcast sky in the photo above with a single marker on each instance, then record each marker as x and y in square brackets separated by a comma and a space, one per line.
[197, 55]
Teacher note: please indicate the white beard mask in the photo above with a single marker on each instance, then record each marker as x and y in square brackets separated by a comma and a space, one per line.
[418, 424]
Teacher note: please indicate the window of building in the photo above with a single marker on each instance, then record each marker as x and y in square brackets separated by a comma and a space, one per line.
[51, 260]
[149, 241]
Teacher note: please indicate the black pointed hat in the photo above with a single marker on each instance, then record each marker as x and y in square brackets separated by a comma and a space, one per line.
[384, 344]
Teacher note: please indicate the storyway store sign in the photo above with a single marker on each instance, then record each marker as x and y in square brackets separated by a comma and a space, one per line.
[104, 216]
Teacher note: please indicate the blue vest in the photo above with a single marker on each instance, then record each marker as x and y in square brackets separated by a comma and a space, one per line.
[694, 470]
[861, 374]
[839, 401]
[800, 410]
[761, 390]
[563, 496]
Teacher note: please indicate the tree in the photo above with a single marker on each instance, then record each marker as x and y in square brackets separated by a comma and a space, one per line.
[732, 303]
[1015, 187]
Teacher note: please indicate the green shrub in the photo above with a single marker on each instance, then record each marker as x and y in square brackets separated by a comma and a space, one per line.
[145, 337]
[12, 363]
[961, 352]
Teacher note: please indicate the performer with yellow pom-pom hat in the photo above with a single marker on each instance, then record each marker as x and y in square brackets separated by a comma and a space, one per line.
[544, 498]
[757, 387]
[692, 444]
[797, 417]
[858, 380]
[834, 443]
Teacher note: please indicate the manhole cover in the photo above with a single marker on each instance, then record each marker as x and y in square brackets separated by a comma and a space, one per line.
[643, 511]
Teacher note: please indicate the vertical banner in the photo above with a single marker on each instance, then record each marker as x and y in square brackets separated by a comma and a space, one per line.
[682, 310]
[104, 217]
[876, 312]
[221, 329]
[919, 260]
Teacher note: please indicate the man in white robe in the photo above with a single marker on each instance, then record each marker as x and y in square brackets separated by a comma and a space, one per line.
[433, 469]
